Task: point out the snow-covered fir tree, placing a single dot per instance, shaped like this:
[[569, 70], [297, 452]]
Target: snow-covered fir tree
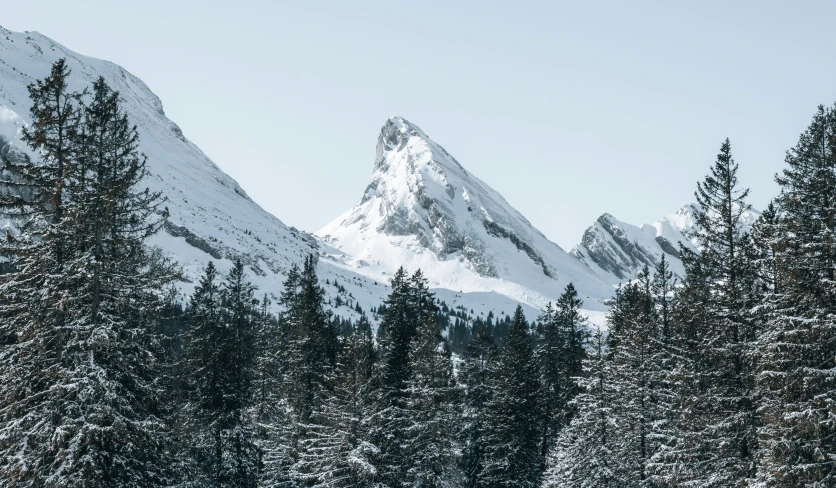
[[221, 338], [584, 455], [81, 397], [559, 353], [273, 428], [335, 452], [797, 378], [512, 417], [433, 401], [474, 376], [720, 420]]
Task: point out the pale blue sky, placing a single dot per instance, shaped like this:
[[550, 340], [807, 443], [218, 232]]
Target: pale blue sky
[[569, 109]]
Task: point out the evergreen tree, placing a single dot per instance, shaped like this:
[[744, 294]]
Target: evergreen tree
[[548, 353], [638, 372], [83, 299], [311, 336], [584, 455], [273, 428], [336, 453], [204, 363], [796, 380], [512, 419], [241, 466], [559, 352], [432, 400], [221, 338], [312, 343], [474, 375], [663, 286], [719, 420], [389, 419]]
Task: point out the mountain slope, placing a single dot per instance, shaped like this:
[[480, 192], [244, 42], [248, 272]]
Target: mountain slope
[[422, 209], [211, 215]]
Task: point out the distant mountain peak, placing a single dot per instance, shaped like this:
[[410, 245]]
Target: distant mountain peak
[[423, 209]]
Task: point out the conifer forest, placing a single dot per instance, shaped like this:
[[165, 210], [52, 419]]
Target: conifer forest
[[724, 377]]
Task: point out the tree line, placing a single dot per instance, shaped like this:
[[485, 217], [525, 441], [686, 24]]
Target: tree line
[[722, 377]]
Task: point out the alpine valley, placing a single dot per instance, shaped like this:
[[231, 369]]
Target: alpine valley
[[421, 209]]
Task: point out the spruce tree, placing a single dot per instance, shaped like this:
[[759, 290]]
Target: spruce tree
[[549, 354], [719, 422], [310, 364], [205, 334], [474, 376], [796, 380], [584, 454], [222, 336], [639, 373], [559, 352], [575, 334], [389, 419], [273, 427], [663, 286], [312, 342], [84, 300], [433, 397], [241, 465], [336, 452], [512, 418]]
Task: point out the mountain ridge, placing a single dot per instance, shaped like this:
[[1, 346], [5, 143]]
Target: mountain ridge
[[421, 209]]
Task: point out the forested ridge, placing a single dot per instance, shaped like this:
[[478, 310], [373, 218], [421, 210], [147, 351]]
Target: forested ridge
[[721, 378]]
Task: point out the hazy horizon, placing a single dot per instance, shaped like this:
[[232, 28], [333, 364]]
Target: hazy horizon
[[569, 111]]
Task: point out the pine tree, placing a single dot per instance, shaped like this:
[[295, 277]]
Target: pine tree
[[512, 434], [548, 353], [310, 364], [84, 301], [719, 422], [663, 286], [559, 352], [638, 372], [336, 452], [433, 396], [796, 379], [584, 454], [205, 335], [241, 465], [312, 342], [474, 375], [221, 337], [273, 427], [389, 418]]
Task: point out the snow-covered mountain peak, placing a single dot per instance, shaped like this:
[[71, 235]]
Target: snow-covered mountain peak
[[422, 209]]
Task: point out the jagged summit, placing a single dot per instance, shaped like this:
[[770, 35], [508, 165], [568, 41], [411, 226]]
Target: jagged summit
[[423, 209]]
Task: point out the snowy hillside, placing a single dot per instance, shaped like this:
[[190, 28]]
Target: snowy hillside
[[617, 251], [211, 215], [423, 209]]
